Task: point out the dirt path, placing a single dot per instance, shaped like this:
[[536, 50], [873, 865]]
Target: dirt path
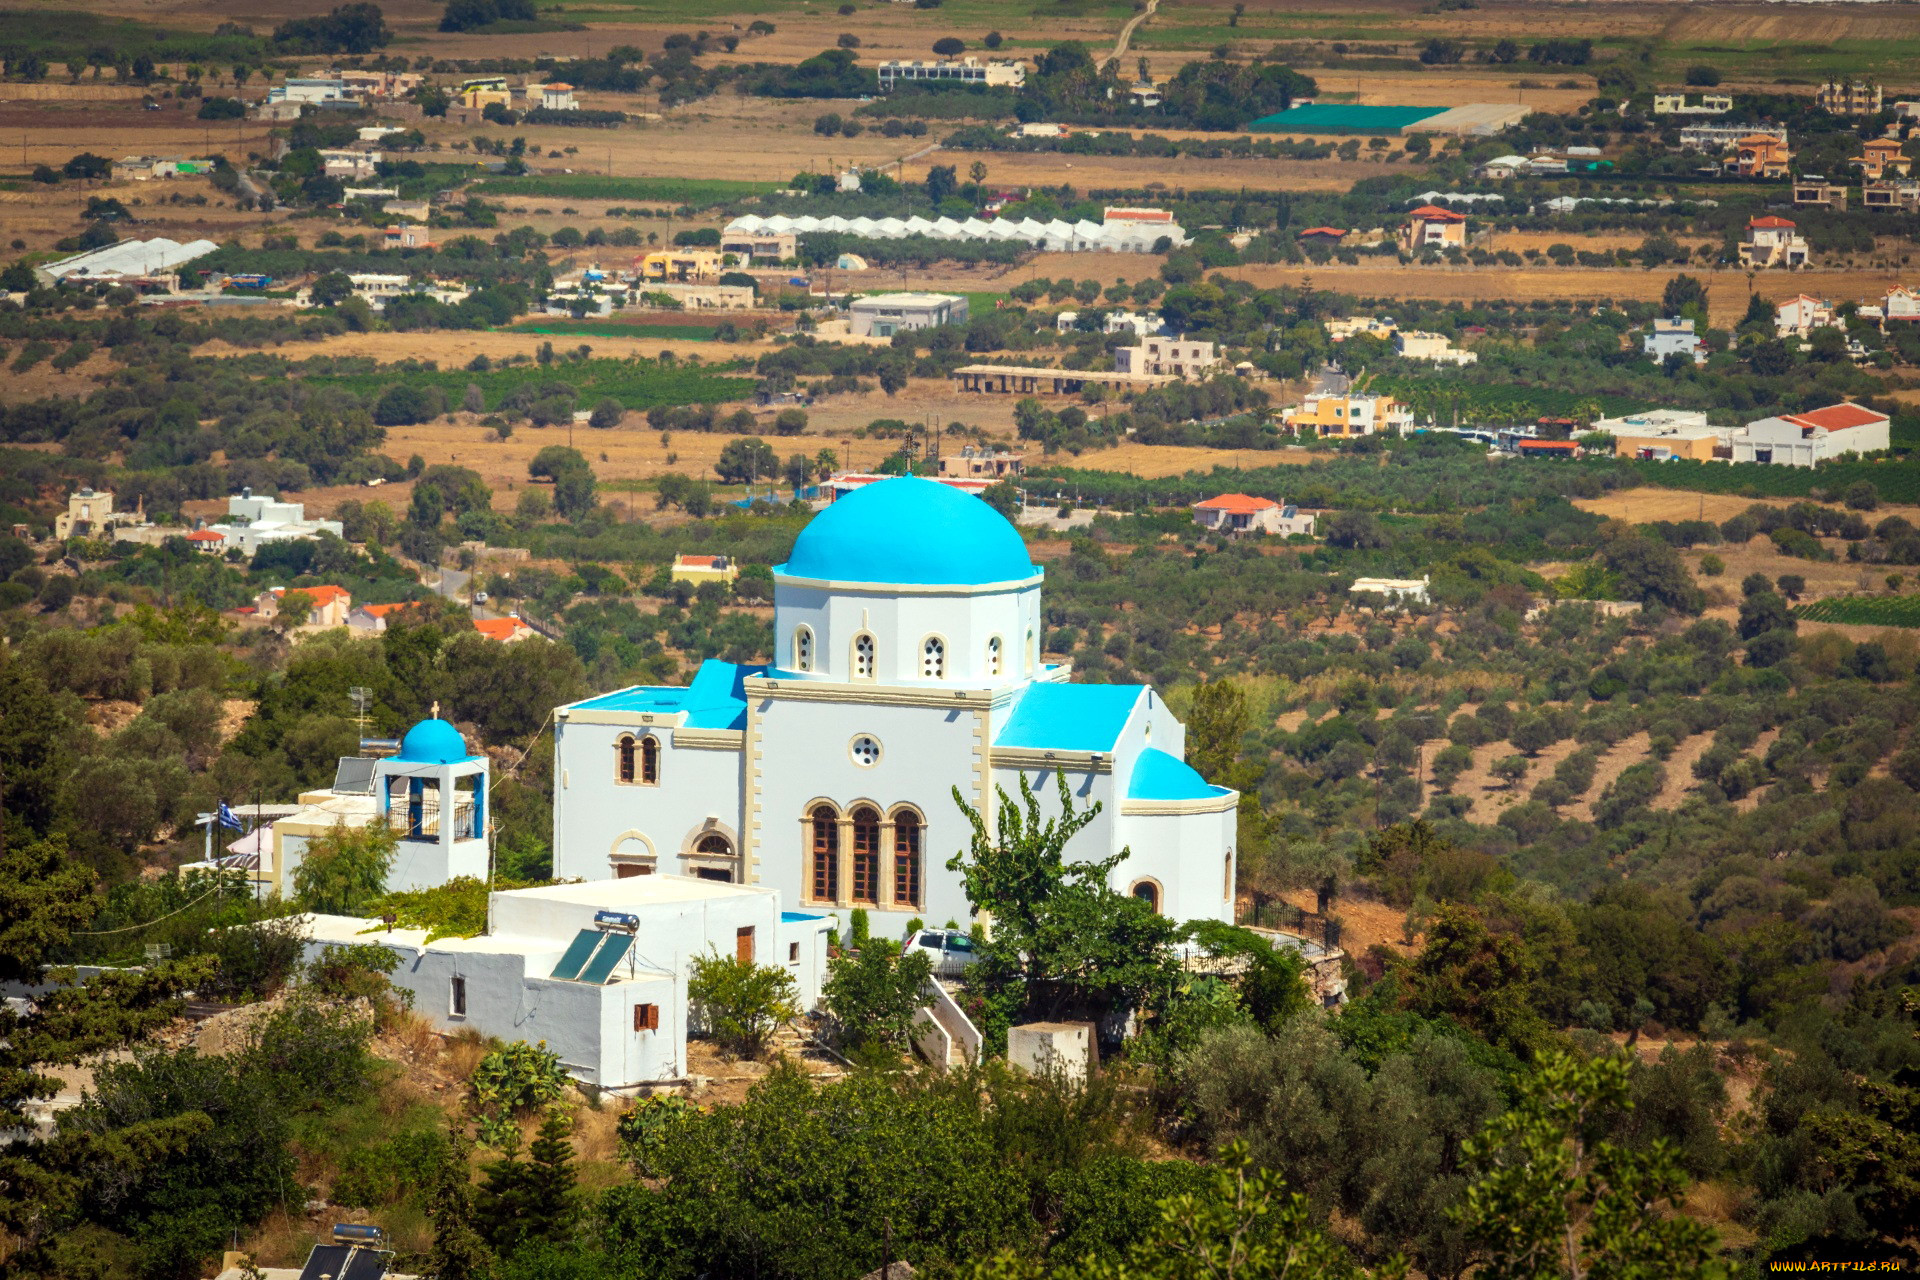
[[1751, 801], [1679, 766], [1614, 762], [1126, 34]]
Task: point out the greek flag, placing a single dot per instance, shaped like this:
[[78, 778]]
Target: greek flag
[[228, 818]]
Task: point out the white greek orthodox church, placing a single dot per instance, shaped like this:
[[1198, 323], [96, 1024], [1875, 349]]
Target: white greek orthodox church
[[907, 626]]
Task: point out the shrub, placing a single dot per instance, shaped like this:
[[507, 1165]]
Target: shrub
[[514, 1081], [739, 1003], [874, 992]]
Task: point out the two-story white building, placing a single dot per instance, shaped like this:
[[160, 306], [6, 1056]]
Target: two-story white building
[[1816, 436], [908, 627]]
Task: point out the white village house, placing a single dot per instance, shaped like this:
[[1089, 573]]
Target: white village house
[[752, 810]]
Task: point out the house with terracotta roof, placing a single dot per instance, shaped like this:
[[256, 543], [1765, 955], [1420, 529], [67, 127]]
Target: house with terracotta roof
[[557, 97], [1901, 303], [375, 618], [1773, 241], [506, 630], [1244, 513], [1759, 155], [699, 569], [1881, 158], [1432, 228], [1800, 315], [1815, 436], [1328, 236], [329, 604], [208, 542]]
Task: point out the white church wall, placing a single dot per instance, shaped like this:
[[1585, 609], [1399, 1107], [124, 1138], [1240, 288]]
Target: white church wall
[[804, 755], [1097, 839], [594, 814], [1186, 855]]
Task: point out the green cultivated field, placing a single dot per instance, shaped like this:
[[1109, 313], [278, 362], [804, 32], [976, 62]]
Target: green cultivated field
[[594, 186], [636, 385], [1864, 611]]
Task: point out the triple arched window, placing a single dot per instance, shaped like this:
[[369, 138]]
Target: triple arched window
[[882, 853], [803, 648], [636, 761]]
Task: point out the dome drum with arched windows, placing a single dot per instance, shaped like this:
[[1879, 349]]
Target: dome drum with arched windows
[[907, 582]]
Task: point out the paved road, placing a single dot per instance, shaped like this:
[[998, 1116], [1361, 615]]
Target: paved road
[[453, 585], [1126, 33]]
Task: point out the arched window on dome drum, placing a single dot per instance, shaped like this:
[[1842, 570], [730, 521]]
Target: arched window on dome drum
[[1148, 892], [803, 648], [906, 860], [625, 757], [866, 855], [825, 872], [993, 656], [863, 657], [933, 658], [649, 760]]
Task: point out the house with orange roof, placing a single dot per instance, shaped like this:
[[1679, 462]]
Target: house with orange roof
[[1432, 228], [208, 542], [1328, 236], [1815, 436], [1800, 315], [374, 618], [557, 97], [330, 604], [1244, 513], [1882, 158], [507, 630], [1759, 155], [1901, 303], [1773, 241], [699, 569]]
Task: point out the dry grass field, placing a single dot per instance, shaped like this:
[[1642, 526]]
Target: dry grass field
[[1647, 503], [1726, 290]]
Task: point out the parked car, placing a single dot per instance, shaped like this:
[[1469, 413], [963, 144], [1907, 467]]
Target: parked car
[[950, 950]]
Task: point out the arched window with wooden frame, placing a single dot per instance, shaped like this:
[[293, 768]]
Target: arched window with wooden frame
[[803, 648], [824, 875], [863, 659], [649, 761], [626, 760], [1148, 891], [866, 855], [907, 832]]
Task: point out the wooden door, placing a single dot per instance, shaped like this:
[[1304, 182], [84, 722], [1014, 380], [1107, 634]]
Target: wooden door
[[743, 945]]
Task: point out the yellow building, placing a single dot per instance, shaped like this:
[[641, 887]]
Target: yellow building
[[699, 569], [481, 94], [681, 265], [1349, 415]]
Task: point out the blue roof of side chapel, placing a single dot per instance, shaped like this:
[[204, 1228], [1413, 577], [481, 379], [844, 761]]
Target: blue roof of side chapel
[[715, 699], [1160, 776], [1070, 717], [910, 530]]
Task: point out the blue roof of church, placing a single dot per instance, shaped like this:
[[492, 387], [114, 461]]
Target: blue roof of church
[[433, 742], [1159, 776], [1070, 717], [911, 531], [715, 699]]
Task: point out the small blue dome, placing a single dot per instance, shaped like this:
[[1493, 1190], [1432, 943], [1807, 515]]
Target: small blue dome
[[910, 531], [433, 742], [1159, 776]]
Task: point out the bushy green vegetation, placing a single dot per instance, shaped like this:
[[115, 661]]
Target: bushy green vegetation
[[1865, 611], [587, 186]]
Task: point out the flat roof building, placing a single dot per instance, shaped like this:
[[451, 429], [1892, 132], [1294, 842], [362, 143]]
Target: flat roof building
[[884, 314]]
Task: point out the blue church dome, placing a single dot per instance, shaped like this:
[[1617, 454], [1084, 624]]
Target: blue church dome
[[433, 742], [910, 530], [1159, 776]]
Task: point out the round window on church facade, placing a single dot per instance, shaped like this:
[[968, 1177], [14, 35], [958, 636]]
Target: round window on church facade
[[865, 750]]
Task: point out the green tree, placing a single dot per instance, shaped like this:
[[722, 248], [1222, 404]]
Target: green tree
[[740, 1003], [45, 897], [874, 992], [746, 460], [1549, 1200], [1061, 935], [1217, 722], [607, 413], [344, 870], [536, 1198], [1481, 979], [459, 1251]]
